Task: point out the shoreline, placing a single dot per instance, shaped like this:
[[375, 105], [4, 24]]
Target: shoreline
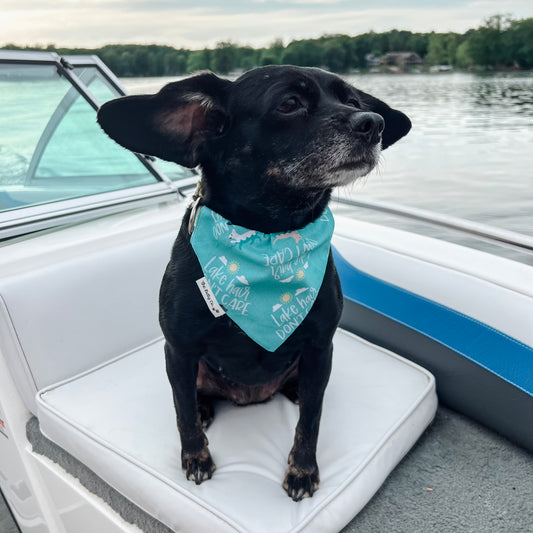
[[356, 72]]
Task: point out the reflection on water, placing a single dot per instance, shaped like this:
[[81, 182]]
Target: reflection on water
[[469, 153]]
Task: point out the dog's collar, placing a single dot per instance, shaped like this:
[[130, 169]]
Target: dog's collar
[[265, 282], [195, 208]]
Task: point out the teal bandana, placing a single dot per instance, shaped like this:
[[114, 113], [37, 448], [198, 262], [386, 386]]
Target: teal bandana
[[265, 282]]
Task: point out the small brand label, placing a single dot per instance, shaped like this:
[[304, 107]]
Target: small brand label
[[3, 429], [209, 297]]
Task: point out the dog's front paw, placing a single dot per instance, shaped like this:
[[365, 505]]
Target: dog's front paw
[[206, 413], [301, 482], [197, 466]]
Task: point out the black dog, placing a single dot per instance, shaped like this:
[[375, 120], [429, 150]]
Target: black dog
[[271, 146]]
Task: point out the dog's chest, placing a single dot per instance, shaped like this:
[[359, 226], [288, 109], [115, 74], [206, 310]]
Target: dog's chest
[[265, 283]]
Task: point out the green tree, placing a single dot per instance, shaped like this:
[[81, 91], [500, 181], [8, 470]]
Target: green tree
[[499, 42], [307, 53], [462, 55], [517, 41], [334, 56], [273, 54], [442, 48], [247, 57], [362, 46], [267, 58], [485, 44], [337, 52], [178, 63], [418, 43], [398, 41], [224, 58], [199, 60], [436, 54]]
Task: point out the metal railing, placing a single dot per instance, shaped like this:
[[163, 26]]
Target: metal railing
[[484, 231]]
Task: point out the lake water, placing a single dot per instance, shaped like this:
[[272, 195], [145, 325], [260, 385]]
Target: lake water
[[469, 153]]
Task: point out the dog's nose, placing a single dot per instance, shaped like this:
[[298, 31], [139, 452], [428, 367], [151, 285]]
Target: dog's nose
[[368, 125]]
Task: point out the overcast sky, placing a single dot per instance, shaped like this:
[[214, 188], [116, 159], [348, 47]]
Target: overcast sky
[[196, 24]]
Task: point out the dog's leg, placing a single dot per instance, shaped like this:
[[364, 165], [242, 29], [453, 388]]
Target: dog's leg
[[302, 479], [182, 370], [206, 409], [290, 390]]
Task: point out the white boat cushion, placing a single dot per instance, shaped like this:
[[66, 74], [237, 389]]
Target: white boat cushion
[[78, 311], [119, 420]]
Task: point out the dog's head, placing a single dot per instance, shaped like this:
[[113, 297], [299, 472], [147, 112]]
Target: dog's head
[[291, 127]]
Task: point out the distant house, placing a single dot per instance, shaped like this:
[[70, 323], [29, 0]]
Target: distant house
[[401, 59]]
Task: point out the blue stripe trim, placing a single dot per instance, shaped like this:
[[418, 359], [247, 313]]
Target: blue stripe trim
[[489, 348]]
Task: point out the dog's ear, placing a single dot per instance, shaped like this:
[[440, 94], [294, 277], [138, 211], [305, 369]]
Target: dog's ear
[[172, 124], [396, 123]]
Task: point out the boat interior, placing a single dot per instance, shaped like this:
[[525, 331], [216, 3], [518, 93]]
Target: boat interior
[[419, 323]]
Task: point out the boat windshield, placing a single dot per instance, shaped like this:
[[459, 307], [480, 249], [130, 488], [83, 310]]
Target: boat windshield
[[102, 92], [51, 147]]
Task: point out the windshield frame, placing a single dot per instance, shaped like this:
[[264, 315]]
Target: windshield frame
[[47, 215]]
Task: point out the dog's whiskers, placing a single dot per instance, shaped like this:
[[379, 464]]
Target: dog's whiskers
[[290, 170]]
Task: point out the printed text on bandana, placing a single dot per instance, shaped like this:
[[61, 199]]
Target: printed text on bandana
[[289, 316], [266, 283], [232, 291], [227, 289]]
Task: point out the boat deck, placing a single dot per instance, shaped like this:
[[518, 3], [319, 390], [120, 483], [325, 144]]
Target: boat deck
[[460, 477]]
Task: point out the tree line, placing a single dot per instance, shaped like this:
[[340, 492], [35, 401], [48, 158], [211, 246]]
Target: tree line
[[500, 42]]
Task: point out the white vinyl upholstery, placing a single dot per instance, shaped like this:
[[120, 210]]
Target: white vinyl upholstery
[[119, 420], [83, 306], [78, 323]]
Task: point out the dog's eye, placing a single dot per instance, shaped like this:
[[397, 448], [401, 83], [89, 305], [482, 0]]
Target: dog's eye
[[290, 105], [353, 102]]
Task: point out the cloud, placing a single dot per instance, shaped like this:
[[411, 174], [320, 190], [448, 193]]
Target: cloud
[[300, 2], [198, 24]]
